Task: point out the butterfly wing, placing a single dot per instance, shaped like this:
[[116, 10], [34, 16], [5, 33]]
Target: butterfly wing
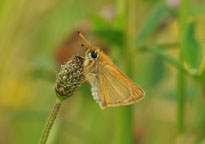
[[112, 88]]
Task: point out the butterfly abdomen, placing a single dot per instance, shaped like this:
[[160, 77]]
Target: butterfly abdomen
[[94, 90]]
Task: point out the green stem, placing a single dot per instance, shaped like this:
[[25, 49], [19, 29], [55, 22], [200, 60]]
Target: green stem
[[164, 46], [201, 112], [124, 123], [50, 121], [124, 126], [158, 50], [181, 77], [181, 101]]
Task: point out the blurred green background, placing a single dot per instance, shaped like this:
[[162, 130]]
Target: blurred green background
[[159, 44]]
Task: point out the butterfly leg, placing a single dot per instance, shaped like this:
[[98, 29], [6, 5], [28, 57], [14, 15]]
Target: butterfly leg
[[87, 79], [87, 68]]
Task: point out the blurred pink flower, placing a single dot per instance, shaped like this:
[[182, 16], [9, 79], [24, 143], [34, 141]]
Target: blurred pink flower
[[173, 3]]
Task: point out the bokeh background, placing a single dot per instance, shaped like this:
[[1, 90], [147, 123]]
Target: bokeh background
[[160, 44]]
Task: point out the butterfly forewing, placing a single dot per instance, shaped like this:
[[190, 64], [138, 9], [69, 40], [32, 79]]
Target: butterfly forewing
[[114, 88]]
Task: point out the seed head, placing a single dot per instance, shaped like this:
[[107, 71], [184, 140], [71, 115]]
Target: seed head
[[70, 77]]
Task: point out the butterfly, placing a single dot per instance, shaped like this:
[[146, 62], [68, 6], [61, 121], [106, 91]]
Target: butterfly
[[109, 86]]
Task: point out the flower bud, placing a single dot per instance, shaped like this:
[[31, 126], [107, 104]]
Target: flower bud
[[70, 77]]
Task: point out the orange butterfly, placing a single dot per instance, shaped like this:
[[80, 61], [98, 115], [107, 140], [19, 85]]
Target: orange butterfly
[[109, 86]]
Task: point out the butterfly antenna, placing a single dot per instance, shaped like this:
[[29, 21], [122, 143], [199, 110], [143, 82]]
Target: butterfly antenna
[[81, 35]]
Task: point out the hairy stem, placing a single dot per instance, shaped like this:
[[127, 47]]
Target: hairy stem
[[50, 121]]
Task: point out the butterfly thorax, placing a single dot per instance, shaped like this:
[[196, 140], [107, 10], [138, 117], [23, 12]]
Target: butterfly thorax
[[95, 60]]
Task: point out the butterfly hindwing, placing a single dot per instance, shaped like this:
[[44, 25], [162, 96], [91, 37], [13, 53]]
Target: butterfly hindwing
[[113, 88]]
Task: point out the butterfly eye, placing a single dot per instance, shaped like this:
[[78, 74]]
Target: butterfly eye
[[94, 54]]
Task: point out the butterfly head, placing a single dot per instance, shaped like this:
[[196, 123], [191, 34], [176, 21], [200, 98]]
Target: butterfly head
[[92, 52]]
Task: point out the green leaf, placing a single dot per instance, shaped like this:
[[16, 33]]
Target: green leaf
[[111, 36], [157, 67], [99, 22], [192, 50], [166, 57], [154, 19], [106, 31]]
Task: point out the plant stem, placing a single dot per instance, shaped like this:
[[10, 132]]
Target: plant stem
[[201, 112], [181, 77], [181, 101], [124, 126], [50, 121], [124, 123], [160, 53], [158, 50], [180, 84]]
